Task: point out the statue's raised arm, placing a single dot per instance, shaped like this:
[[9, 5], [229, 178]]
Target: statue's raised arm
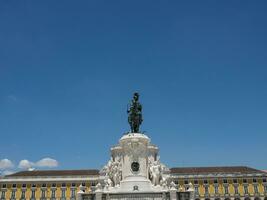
[[135, 114]]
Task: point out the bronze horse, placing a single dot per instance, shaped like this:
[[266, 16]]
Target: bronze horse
[[135, 114]]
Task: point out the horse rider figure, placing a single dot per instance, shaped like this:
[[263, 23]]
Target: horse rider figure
[[135, 114]]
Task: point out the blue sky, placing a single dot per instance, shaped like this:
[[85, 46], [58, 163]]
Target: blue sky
[[68, 70]]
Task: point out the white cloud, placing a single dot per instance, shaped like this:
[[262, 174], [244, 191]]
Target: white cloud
[[45, 162], [25, 164], [6, 164]]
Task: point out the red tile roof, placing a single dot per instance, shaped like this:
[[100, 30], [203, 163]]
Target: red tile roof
[[89, 172], [177, 170], [209, 170]]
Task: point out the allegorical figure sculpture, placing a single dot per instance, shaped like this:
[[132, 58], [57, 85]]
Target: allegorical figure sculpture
[[135, 114], [113, 173]]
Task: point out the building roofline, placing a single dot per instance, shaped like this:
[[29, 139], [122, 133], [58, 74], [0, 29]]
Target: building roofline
[[55, 173], [215, 170]]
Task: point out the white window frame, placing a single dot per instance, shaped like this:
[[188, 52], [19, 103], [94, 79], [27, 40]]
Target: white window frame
[[63, 193], [23, 194], [13, 194], [206, 189], [245, 189], [216, 189], [256, 189], [33, 194], [73, 192], [53, 193], [3, 194], [196, 189], [226, 189], [236, 189], [43, 193]]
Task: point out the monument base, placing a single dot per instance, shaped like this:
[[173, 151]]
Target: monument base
[[136, 184]]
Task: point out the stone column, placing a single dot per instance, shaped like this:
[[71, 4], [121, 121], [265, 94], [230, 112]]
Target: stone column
[[80, 192], [98, 192], [191, 189], [98, 195], [173, 194]]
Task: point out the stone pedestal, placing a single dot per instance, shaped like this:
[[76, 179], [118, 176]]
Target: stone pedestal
[[173, 194], [135, 172], [98, 195], [134, 166], [135, 175], [79, 195]]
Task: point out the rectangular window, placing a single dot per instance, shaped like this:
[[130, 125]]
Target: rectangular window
[[73, 192], [23, 194], [13, 194], [63, 193], [33, 194], [216, 188], [236, 189], [246, 189], [206, 190], [245, 181], [23, 185], [195, 182], [226, 190], [264, 180], [215, 181], [4, 186], [3, 195], [225, 181], [73, 185], [256, 189], [205, 181], [186, 182], [43, 194], [235, 180], [196, 190], [95, 183], [14, 185], [53, 194], [254, 180]]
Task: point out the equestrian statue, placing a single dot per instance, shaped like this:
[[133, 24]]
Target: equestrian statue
[[135, 114]]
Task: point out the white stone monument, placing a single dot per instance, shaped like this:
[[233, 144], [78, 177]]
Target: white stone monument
[[134, 166], [134, 170]]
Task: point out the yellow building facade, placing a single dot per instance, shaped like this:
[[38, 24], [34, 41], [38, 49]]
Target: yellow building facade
[[223, 183], [210, 183]]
